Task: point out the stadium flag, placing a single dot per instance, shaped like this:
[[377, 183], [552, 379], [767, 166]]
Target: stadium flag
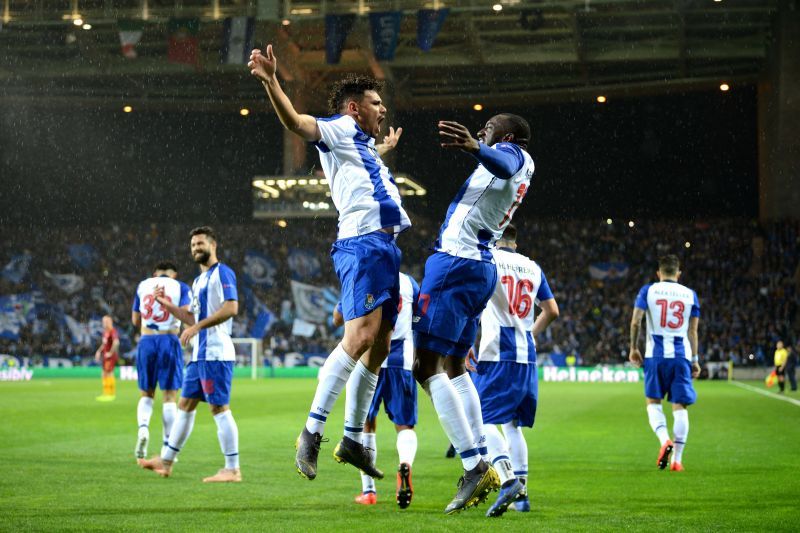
[[68, 283], [130, 33], [303, 263], [261, 324], [301, 328], [16, 269], [80, 332], [82, 255], [385, 31], [429, 23], [309, 301], [337, 27], [16, 311], [608, 271], [183, 42], [259, 269], [258, 314], [237, 40]]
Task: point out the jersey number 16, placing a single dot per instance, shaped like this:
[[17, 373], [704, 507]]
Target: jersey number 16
[[520, 302]]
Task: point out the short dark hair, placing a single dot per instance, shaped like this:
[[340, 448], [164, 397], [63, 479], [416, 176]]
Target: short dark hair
[[519, 127], [510, 233], [204, 230], [166, 265], [669, 264], [351, 87]]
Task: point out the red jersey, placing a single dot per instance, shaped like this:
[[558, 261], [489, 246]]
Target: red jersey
[[109, 336]]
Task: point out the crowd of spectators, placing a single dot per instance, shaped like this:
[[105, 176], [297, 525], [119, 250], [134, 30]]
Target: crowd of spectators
[[745, 274]]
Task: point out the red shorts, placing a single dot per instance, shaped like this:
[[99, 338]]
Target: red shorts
[[109, 363]]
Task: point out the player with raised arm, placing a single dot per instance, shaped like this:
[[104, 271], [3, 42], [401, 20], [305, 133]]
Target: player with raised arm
[[397, 390], [108, 355], [670, 360], [159, 358], [365, 256], [459, 280], [506, 374], [209, 375]]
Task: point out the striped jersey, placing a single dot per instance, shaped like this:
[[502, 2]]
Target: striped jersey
[[362, 188], [154, 316], [668, 306], [209, 291], [483, 207], [401, 354], [507, 321]]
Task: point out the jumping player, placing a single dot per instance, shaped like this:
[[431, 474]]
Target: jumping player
[[108, 355]]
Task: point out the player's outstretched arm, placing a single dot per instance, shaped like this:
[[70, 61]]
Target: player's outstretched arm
[[546, 317], [390, 141], [635, 356], [264, 67]]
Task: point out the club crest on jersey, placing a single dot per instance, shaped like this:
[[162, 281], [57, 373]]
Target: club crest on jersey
[[369, 302]]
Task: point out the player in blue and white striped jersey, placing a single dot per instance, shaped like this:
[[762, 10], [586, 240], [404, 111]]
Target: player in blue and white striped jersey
[[671, 357], [459, 279], [506, 375], [209, 375], [365, 256]]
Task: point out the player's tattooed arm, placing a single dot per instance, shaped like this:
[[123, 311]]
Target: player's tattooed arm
[[264, 67], [390, 141], [635, 356]]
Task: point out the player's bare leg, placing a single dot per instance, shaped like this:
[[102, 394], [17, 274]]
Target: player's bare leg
[[228, 433]]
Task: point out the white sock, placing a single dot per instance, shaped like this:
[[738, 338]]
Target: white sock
[[472, 408], [658, 421], [680, 428], [518, 450], [452, 418], [179, 434], [144, 410], [228, 434], [337, 370], [368, 440], [360, 390], [407, 446], [168, 412], [499, 454]]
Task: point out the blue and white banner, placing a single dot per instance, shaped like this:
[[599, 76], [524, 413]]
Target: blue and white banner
[[385, 31], [301, 328], [83, 255], [16, 311], [608, 271], [237, 40], [429, 23], [84, 333], [16, 269], [303, 263], [259, 269], [309, 302], [337, 27], [68, 283], [259, 316]]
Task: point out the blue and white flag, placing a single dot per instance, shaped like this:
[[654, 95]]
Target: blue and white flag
[[79, 332], [68, 283], [83, 255], [303, 263], [237, 40], [608, 271], [258, 314], [337, 27], [16, 269], [309, 302], [385, 31], [259, 269], [16, 311], [429, 23]]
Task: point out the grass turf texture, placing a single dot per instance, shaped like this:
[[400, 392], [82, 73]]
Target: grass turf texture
[[68, 465]]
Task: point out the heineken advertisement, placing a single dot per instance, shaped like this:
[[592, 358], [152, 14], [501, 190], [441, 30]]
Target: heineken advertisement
[[128, 373]]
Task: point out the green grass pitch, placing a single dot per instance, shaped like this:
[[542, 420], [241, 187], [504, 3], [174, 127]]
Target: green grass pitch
[[67, 464]]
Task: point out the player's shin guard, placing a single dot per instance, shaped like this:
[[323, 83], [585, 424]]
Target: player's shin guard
[[655, 414], [168, 412], [407, 446], [333, 378], [680, 429], [360, 390], [452, 417], [472, 408], [181, 430], [498, 451], [144, 410], [228, 434]]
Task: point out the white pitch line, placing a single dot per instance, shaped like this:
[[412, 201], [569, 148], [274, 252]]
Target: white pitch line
[[766, 393]]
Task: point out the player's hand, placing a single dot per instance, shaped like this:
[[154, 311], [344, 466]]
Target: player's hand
[[391, 140], [695, 370], [158, 292], [471, 361], [97, 356], [635, 358], [188, 333], [454, 135], [263, 66]]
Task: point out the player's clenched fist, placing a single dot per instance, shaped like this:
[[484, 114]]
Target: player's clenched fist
[[263, 66], [636, 358]]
